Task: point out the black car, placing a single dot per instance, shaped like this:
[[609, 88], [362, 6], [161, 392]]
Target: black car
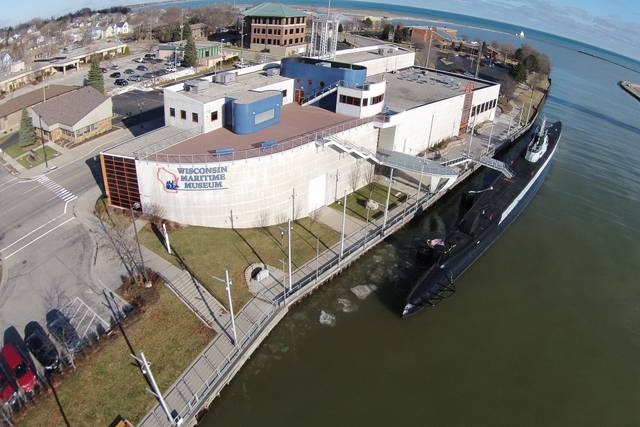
[[129, 71], [120, 82], [41, 346], [115, 75], [142, 68], [61, 329], [148, 75]]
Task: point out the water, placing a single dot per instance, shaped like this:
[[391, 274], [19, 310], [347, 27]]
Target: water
[[543, 330]]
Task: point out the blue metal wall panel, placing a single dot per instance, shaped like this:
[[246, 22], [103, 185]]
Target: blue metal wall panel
[[243, 114]]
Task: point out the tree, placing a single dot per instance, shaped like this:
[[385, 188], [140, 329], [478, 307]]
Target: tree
[[367, 23], [27, 132], [340, 28], [520, 73], [186, 31], [531, 63], [387, 30], [519, 54], [190, 58], [94, 78]]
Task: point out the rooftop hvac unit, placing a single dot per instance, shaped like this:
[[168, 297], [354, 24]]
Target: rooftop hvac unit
[[273, 71], [195, 85], [225, 78]]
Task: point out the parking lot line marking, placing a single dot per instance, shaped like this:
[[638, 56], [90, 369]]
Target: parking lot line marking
[[38, 238]]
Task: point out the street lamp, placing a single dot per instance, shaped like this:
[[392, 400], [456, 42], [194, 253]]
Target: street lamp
[[136, 205]]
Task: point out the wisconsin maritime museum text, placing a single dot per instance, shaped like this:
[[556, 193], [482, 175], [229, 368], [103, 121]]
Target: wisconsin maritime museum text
[[205, 178]]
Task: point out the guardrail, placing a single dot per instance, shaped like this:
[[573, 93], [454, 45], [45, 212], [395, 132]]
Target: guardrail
[[280, 146]]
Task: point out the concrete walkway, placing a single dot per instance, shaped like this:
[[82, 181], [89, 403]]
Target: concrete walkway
[[333, 218]]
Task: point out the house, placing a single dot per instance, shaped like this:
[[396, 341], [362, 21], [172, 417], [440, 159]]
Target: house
[[5, 61], [276, 28], [96, 33], [11, 110], [109, 31], [73, 117], [122, 28], [199, 31]]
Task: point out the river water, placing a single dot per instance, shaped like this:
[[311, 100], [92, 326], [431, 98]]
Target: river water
[[543, 330]]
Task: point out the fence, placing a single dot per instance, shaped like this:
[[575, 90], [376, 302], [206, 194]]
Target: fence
[[283, 145]]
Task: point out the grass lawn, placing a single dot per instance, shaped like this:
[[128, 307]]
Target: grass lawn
[[538, 93], [208, 251], [109, 383], [29, 162], [357, 201], [14, 151]]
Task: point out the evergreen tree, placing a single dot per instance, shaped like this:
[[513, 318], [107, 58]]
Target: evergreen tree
[[186, 32], [190, 58], [531, 63], [94, 78], [27, 132], [520, 73]]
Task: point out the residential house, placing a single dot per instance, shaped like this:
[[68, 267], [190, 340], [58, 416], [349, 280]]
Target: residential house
[[122, 28], [73, 117], [11, 110]]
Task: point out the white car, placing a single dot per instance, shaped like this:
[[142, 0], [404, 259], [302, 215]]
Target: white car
[[171, 69], [139, 60]]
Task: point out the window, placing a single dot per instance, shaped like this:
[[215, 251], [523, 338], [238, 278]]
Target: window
[[284, 93], [269, 31], [473, 111], [365, 102], [194, 117], [350, 100], [262, 41], [214, 116], [183, 115], [263, 31], [172, 112], [377, 99], [264, 116]]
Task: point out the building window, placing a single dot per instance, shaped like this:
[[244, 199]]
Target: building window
[[377, 99], [269, 31], [172, 112], [350, 100], [261, 41], [473, 111], [365, 102], [194, 117], [284, 93], [214, 116], [183, 115]]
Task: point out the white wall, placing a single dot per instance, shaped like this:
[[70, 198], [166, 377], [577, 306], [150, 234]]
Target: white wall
[[372, 89], [179, 102], [387, 64], [481, 96], [283, 85], [414, 131], [101, 112], [262, 186]]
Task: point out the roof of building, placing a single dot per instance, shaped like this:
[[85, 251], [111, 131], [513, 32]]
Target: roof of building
[[276, 10], [413, 87], [198, 25], [375, 52], [69, 108], [295, 121], [32, 98], [238, 88], [151, 142]]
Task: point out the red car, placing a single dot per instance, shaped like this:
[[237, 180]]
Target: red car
[[7, 391], [19, 368]]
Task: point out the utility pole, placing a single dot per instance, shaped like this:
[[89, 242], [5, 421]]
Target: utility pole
[[386, 206], [284, 284], [429, 48], [166, 238], [289, 253], [344, 218], [478, 64], [145, 367], [241, 40], [227, 285]]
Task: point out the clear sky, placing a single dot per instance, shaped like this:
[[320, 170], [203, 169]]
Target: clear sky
[[612, 24]]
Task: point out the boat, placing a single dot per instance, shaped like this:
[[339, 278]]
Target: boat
[[489, 213]]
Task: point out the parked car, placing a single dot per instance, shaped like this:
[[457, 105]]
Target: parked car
[[142, 68], [19, 368], [161, 72], [61, 329], [171, 69], [135, 78], [148, 75], [120, 82], [139, 60], [114, 66], [103, 70], [115, 75], [41, 347], [129, 71], [149, 55], [8, 393]]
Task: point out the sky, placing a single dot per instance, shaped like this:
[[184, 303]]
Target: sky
[[611, 24]]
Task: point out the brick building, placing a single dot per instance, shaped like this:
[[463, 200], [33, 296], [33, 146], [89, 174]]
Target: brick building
[[276, 27]]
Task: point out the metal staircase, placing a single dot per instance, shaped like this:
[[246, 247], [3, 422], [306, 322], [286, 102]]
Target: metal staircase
[[483, 160], [320, 93]]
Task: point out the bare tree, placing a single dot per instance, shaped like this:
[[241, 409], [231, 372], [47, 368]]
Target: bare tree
[[354, 176], [118, 243], [155, 213], [370, 178]]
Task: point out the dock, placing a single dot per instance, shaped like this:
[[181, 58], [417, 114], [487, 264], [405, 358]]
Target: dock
[[632, 88]]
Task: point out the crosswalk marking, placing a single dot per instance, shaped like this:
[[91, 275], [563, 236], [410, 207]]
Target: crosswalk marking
[[60, 192]]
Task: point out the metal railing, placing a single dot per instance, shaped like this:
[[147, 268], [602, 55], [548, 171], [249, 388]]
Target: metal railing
[[281, 146]]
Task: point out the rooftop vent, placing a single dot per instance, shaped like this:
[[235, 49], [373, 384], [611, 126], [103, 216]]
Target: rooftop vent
[[195, 85], [225, 78]]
